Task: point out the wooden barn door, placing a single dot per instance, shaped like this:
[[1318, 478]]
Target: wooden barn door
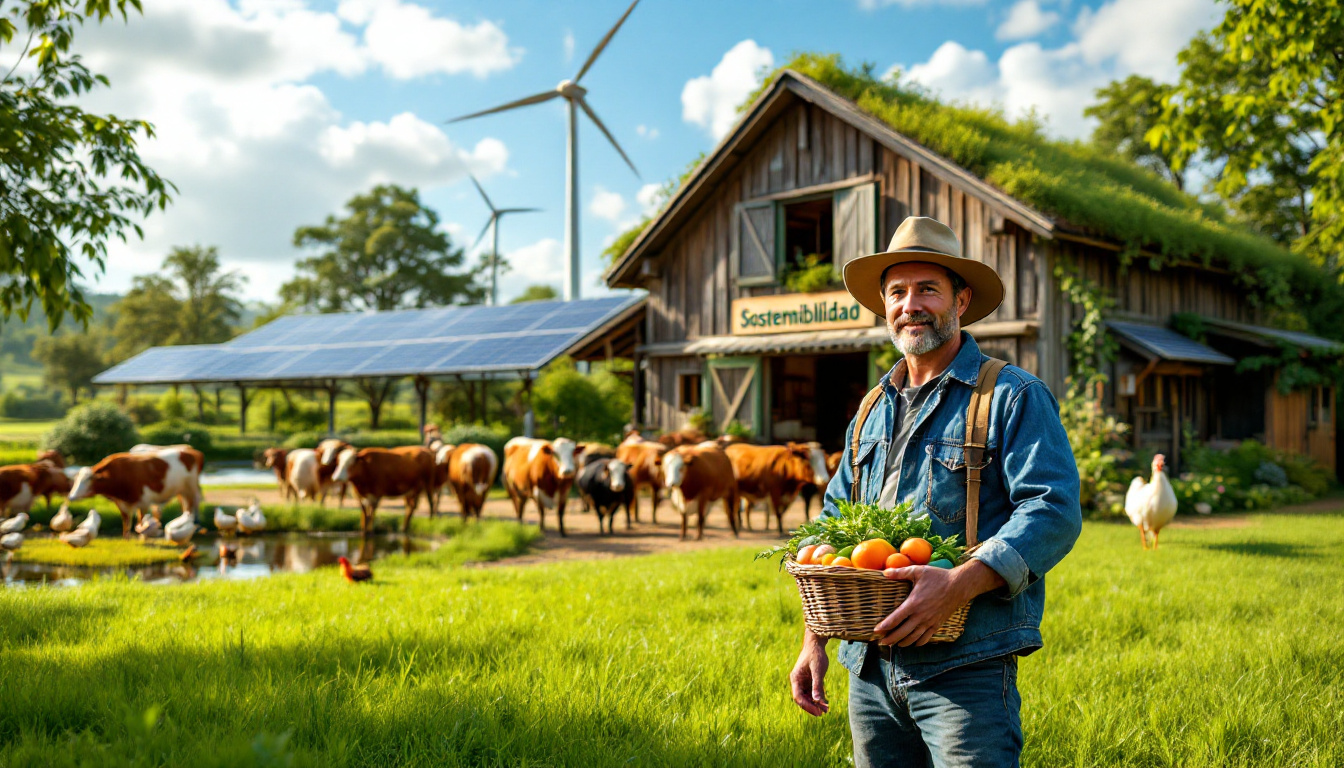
[[734, 385], [753, 259], [855, 218]]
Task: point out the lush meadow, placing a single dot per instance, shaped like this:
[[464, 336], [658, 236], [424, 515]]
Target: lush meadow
[[1218, 650]]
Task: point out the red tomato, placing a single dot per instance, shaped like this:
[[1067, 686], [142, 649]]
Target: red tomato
[[918, 550]]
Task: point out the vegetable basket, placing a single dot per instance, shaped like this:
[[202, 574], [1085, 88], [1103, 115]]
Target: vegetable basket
[[846, 603]]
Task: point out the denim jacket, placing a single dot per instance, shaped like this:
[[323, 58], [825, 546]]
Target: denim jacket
[[1029, 503]]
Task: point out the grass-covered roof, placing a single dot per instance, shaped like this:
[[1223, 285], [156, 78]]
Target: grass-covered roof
[[1083, 188]]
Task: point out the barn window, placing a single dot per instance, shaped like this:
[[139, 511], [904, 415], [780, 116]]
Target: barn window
[[688, 392], [754, 244], [809, 233]]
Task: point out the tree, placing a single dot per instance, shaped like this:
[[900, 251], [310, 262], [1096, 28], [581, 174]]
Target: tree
[[536, 293], [1261, 97], [1126, 111], [70, 180], [191, 300], [388, 253], [583, 407], [71, 360]]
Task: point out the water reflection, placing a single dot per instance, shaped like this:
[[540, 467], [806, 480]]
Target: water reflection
[[242, 558]]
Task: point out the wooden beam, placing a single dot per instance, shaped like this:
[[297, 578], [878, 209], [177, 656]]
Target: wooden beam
[[815, 189]]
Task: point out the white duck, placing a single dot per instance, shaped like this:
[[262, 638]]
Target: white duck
[[1151, 505], [149, 527], [225, 523], [63, 521], [85, 532], [11, 541], [14, 524], [251, 520], [180, 529]]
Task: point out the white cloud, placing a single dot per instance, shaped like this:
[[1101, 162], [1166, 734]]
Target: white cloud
[[607, 205], [407, 40], [1120, 38], [254, 149], [650, 198], [540, 263], [711, 101], [569, 45], [1026, 20], [646, 132]]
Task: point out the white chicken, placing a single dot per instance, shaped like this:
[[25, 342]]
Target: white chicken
[[225, 523], [1151, 505], [251, 520], [85, 532], [14, 524], [149, 527], [11, 541], [181, 529], [62, 521]]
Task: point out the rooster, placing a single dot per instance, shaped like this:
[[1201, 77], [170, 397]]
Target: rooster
[[1151, 505], [355, 573]]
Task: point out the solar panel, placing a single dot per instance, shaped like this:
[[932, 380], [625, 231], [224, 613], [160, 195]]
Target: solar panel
[[1168, 344], [437, 341]]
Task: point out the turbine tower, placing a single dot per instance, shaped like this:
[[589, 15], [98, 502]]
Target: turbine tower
[[492, 226], [573, 93]]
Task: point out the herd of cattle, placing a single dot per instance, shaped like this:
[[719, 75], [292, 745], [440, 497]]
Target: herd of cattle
[[694, 472]]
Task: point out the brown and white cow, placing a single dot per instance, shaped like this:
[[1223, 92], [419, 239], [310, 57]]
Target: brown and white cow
[[641, 458], [328, 453], [21, 484], [700, 474], [682, 437], [775, 474], [141, 481], [274, 459], [542, 471], [377, 473], [303, 475], [471, 472], [812, 490]]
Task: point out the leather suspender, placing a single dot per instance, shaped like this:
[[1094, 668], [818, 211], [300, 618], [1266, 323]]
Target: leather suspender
[[973, 447]]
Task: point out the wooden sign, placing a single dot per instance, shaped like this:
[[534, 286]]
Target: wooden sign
[[792, 312]]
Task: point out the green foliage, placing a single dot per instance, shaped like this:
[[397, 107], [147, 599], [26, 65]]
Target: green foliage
[[71, 360], [179, 432], [1090, 347], [16, 405], [1297, 368], [171, 406], [1098, 442], [73, 179], [1244, 466], [102, 552], [737, 429], [583, 407], [859, 522], [143, 410], [702, 420], [90, 432], [190, 300], [387, 253], [536, 293], [1126, 111], [813, 275]]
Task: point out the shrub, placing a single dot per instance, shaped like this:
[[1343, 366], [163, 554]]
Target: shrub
[[812, 276], [1097, 440], [90, 432], [176, 432], [303, 440], [15, 405], [171, 407], [737, 429], [143, 411], [582, 407], [702, 421]]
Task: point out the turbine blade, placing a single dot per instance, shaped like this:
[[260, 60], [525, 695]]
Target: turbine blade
[[593, 116], [480, 189], [484, 229], [535, 98], [603, 44], [503, 211]]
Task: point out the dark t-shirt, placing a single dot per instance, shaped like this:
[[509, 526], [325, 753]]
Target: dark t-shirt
[[909, 402]]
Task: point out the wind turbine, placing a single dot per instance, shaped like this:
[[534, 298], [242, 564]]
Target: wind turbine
[[492, 226], [572, 92]]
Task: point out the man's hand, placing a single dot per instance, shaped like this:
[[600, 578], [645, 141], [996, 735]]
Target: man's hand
[[809, 676], [936, 594]]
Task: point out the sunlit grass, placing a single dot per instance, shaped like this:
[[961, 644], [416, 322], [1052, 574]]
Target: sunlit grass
[[102, 552]]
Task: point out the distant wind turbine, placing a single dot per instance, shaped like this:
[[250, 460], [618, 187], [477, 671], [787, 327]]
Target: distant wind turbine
[[572, 92], [492, 226]]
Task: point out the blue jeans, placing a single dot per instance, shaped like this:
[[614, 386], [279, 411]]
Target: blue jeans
[[966, 716]]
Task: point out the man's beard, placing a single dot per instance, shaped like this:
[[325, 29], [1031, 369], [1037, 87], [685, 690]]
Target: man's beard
[[937, 332]]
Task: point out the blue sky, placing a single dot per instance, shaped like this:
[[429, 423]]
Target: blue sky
[[271, 113]]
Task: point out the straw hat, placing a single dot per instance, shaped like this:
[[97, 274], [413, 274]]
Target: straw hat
[[923, 239]]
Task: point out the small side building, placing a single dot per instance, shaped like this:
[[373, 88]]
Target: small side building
[[807, 177]]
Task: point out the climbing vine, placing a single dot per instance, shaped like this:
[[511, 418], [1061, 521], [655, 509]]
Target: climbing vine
[[1090, 347]]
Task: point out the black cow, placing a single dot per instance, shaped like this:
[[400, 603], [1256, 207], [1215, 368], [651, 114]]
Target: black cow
[[604, 485]]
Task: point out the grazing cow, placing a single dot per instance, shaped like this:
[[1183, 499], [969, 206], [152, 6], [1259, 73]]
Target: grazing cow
[[139, 481], [702, 474], [328, 451], [811, 490], [21, 484], [54, 458], [641, 457], [52, 482], [471, 472], [443, 454], [275, 459], [431, 436], [540, 470], [302, 474], [604, 484], [682, 437], [377, 473], [590, 452], [776, 474]]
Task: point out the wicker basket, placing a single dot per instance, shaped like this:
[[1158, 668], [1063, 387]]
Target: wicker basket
[[846, 603]]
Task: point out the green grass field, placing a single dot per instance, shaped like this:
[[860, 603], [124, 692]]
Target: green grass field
[[1222, 649]]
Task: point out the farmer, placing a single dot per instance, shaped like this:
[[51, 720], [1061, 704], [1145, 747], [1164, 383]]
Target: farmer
[[912, 702]]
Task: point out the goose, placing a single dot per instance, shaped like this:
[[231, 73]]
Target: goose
[[11, 541], [225, 523], [251, 520], [181, 529], [63, 521], [14, 524], [149, 527]]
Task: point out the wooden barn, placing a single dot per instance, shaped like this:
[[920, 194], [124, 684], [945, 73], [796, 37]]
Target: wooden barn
[[807, 177]]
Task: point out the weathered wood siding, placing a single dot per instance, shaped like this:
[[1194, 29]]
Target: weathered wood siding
[[1288, 425]]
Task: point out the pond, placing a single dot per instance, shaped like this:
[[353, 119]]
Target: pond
[[257, 557]]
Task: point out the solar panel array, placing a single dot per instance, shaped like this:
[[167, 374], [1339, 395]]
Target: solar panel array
[[473, 340], [1168, 344]]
